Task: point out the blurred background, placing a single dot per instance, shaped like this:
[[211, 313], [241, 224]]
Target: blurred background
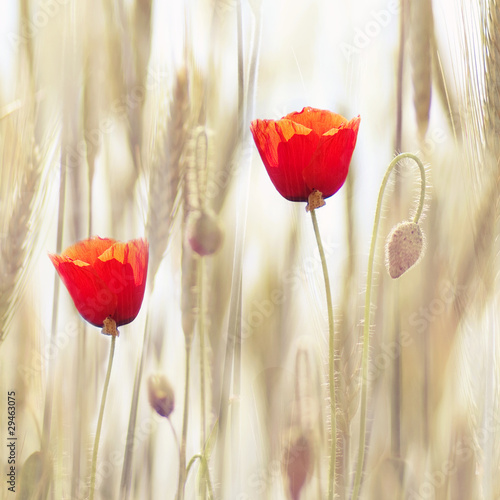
[[131, 118]]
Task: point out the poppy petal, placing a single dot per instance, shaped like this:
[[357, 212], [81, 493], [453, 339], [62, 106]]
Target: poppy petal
[[92, 298], [105, 278], [329, 165], [123, 268], [285, 148], [88, 250], [319, 120]]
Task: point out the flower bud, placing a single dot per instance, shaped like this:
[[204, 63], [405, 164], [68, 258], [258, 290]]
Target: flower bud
[[297, 464], [405, 246], [161, 395], [204, 232]]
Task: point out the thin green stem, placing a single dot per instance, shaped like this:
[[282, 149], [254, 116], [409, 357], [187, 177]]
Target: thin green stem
[[126, 478], [366, 325], [206, 475], [205, 471], [201, 331], [331, 361], [99, 421], [182, 454], [198, 456]]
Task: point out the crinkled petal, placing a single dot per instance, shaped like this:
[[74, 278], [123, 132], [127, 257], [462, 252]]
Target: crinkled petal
[[319, 120], [88, 250], [285, 148], [92, 298], [329, 165], [123, 267]]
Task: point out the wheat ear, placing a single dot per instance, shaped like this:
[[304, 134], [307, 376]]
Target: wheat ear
[[166, 170]]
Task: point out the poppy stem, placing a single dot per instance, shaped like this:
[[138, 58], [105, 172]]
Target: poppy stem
[[331, 360], [182, 454], [99, 421], [201, 331], [366, 325]]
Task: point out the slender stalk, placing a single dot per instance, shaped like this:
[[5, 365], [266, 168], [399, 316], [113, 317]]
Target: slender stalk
[[198, 456], [206, 473], [176, 439], [201, 331], [126, 479], [366, 325], [182, 454], [235, 406], [99, 421], [331, 360], [232, 364], [397, 370]]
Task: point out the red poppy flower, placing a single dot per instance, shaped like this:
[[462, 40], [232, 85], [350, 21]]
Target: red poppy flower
[[105, 278], [306, 151]]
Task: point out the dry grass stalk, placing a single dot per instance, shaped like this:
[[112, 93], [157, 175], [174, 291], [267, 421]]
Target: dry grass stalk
[[142, 34], [92, 103], [166, 170], [22, 171], [349, 356], [492, 61], [421, 32], [444, 92], [189, 295]]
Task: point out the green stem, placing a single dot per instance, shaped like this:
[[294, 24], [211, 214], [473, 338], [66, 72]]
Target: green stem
[[331, 361], [126, 479], [182, 455], [366, 325], [198, 456], [205, 472], [99, 421], [201, 330]]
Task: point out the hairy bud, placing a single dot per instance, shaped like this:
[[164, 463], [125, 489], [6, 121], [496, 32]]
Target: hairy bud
[[404, 248]]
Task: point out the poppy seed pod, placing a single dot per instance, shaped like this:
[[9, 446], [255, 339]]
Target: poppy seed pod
[[204, 233], [404, 248], [161, 395]]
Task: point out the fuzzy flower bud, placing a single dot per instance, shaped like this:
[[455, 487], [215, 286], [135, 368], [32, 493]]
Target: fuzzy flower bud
[[161, 395], [204, 232], [404, 248]]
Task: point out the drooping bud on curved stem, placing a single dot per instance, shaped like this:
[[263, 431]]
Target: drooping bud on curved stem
[[366, 326], [404, 248]]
